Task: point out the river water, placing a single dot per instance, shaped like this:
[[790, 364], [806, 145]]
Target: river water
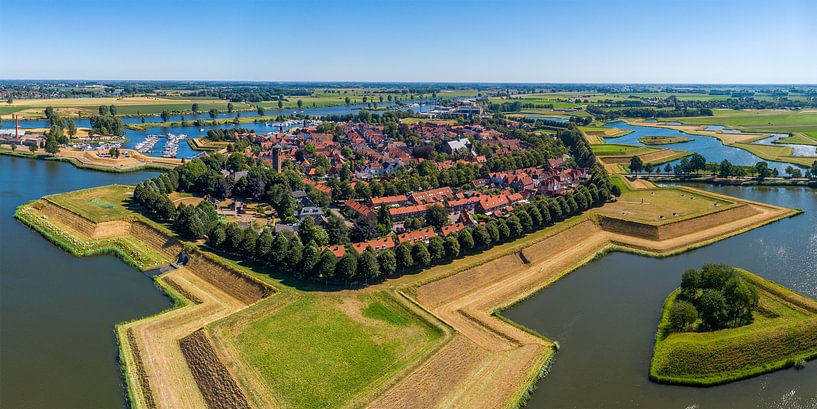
[[604, 316], [711, 148], [57, 311], [185, 151]]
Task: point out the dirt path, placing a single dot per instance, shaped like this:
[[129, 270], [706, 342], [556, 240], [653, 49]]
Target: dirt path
[[170, 380]]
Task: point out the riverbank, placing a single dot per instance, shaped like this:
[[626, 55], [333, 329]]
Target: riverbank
[[730, 181], [135, 162], [784, 331], [739, 140]]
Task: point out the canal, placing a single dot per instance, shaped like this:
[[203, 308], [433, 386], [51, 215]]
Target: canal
[[604, 316], [57, 311]]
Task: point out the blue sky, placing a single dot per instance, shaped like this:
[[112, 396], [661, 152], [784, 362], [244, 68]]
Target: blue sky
[[670, 41]]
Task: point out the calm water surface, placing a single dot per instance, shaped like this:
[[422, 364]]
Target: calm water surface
[[711, 148], [604, 316], [57, 311]]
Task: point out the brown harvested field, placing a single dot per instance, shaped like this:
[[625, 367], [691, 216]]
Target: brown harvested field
[[171, 382], [215, 382]]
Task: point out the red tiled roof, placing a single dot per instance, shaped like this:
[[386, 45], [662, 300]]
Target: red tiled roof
[[377, 201], [378, 244], [432, 195], [452, 228], [417, 235], [396, 211], [359, 208]]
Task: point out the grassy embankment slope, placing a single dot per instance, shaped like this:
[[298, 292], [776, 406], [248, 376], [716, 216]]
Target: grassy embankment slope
[[663, 140], [784, 331], [34, 108]]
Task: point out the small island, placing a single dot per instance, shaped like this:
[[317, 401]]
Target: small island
[[663, 140], [725, 324]]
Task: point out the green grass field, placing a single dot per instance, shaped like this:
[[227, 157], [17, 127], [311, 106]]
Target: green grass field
[[648, 205], [794, 122], [320, 352], [784, 330], [611, 149], [663, 140], [99, 204]]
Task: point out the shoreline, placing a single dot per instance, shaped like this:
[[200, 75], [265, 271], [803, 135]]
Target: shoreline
[[741, 140], [78, 163]]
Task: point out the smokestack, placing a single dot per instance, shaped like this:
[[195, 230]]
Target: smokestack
[[16, 127]]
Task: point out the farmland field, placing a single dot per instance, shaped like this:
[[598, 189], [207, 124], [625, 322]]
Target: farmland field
[[793, 122], [33, 108], [326, 351]]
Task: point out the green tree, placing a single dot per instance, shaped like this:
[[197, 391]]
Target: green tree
[[311, 254], [466, 239], [72, 128], [213, 113], [452, 246], [725, 169], [636, 165], [387, 262], [337, 230], [436, 248], [52, 146], [311, 232], [260, 110], [420, 254], [263, 245], [681, 315], [368, 265], [325, 268], [712, 309], [404, 256], [300, 104], [166, 115], [436, 216], [216, 236], [690, 283], [194, 108], [280, 104], [279, 249], [346, 267]]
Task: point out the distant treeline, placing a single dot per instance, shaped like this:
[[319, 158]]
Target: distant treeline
[[517, 106], [647, 112]]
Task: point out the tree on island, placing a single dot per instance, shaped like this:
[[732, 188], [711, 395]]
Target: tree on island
[[194, 108], [166, 115], [230, 107], [636, 165], [716, 293], [213, 113], [260, 110]]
